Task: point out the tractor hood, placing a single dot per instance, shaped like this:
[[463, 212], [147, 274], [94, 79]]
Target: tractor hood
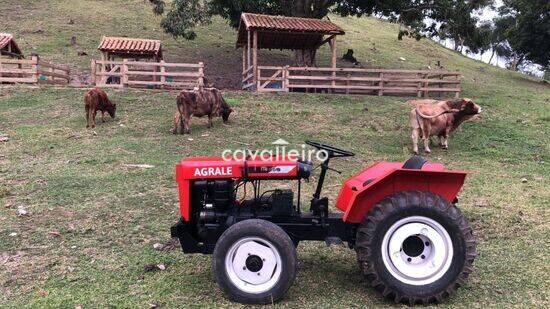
[[275, 167]]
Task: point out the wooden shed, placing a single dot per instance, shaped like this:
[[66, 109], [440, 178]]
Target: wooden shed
[[131, 62], [257, 31], [8, 47], [130, 48]]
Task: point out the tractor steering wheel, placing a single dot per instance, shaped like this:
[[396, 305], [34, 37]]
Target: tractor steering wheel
[[331, 150]]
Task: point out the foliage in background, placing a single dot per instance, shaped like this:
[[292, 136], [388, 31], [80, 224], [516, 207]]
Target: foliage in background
[[521, 32], [526, 27], [447, 18]]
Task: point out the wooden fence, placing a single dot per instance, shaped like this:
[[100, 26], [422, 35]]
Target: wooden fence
[[141, 74], [353, 80], [32, 71]]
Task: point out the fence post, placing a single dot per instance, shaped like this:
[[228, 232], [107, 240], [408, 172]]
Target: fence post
[[426, 85], [162, 76], [256, 80], [440, 85], [68, 73], [52, 70], [93, 65], [381, 85], [201, 75], [419, 85], [285, 78], [34, 68], [124, 74], [0, 70], [348, 76]]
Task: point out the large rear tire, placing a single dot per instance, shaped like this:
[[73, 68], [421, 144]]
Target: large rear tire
[[254, 262], [415, 247]]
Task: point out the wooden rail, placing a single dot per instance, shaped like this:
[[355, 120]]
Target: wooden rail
[[32, 71], [354, 80], [142, 74]]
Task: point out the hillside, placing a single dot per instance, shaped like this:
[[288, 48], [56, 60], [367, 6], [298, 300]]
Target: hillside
[[92, 221], [46, 28]]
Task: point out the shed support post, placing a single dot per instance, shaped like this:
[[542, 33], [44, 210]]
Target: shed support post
[[332, 43], [244, 60], [248, 49], [255, 59]]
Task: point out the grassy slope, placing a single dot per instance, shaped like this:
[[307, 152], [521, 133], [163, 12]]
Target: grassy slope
[[108, 216]]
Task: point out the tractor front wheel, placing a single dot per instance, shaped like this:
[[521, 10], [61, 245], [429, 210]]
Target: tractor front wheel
[[415, 247], [254, 262]]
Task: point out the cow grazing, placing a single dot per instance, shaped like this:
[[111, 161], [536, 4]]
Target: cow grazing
[[439, 118], [97, 100], [199, 102]]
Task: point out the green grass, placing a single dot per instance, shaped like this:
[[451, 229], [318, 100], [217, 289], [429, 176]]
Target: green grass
[[75, 184]]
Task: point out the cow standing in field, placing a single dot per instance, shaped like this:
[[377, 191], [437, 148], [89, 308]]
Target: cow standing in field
[[97, 100], [199, 102], [439, 118]]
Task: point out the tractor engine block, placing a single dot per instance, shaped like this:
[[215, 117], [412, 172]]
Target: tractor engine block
[[212, 198]]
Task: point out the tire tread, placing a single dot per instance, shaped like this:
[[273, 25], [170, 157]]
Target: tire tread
[[392, 204]]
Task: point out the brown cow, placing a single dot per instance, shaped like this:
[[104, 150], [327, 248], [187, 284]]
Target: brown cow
[[439, 118], [199, 102], [96, 100]]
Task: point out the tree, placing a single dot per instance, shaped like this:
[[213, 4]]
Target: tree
[[526, 26], [455, 16]]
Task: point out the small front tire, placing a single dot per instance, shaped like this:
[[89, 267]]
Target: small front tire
[[254, 262]]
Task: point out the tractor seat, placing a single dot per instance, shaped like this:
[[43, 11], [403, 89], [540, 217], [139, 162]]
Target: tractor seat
[[415, 163]]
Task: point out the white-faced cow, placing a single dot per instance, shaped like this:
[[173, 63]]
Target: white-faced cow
[[439, 118]]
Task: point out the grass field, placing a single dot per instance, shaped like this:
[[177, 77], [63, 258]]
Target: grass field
[[92, 221]]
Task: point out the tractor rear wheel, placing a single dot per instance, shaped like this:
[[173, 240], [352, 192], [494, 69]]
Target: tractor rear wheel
[[415, 247], [255, 262]]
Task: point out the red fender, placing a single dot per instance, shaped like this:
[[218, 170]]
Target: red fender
[[363, 190]]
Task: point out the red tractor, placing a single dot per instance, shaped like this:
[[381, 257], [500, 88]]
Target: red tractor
[[413, 244]]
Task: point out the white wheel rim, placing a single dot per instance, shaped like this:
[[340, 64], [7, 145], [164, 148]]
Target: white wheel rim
[[244, 269], [417, 250]]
